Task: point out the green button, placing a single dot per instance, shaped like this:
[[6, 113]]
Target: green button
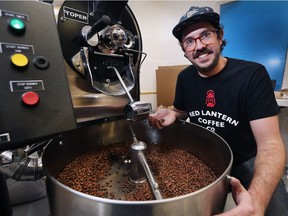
[[17, 24]]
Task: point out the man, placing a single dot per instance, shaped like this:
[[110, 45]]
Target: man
[[234, 99]]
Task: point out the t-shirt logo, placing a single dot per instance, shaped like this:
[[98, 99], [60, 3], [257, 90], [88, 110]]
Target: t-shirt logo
[[210, 98]]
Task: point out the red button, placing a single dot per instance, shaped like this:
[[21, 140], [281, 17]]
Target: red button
[[30, 98]]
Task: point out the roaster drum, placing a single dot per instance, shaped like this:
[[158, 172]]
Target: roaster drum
[[206, 145]]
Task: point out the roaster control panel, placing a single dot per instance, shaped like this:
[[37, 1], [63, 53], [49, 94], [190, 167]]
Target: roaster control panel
[[34, 90]]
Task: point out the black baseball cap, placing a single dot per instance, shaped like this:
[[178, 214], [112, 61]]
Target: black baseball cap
[[193, 15]]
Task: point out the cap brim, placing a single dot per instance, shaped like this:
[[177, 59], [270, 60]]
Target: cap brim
[[211, 17]]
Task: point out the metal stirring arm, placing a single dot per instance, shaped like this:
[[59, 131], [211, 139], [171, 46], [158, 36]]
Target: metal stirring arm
[[140, 168], [152, 183], [122, 83], [134, 111]]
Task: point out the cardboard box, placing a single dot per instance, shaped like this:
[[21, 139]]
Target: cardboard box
[[166, 77]]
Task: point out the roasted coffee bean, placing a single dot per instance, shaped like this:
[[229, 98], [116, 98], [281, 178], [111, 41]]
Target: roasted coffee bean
[[177, 172]]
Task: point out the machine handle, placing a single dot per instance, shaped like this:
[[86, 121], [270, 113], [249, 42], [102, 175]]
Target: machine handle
[[98, 26]]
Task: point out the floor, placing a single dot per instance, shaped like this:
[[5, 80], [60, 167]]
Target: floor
[[37, 208], [229, 203]]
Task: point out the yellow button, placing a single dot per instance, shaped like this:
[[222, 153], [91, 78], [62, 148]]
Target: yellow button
[[19, 60]]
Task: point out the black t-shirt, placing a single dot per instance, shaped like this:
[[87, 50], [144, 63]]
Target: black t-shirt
[[226, 102]]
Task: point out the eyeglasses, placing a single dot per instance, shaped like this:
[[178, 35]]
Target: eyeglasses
[[205, 38]]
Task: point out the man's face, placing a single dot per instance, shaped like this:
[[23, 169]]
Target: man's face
[[202, 46]]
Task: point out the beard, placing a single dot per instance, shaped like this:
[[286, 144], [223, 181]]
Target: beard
[[204, 69]]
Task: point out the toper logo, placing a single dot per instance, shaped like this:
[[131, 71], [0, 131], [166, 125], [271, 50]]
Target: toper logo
[[76, 15]]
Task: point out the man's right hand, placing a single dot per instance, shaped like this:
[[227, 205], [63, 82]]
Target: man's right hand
[[243, 200], [162, 118]]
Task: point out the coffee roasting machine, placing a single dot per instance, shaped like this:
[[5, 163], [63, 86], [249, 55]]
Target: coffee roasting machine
[[69, 81]]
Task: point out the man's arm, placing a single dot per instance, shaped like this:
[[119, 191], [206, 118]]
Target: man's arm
[[268, 170], [269, 163]]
